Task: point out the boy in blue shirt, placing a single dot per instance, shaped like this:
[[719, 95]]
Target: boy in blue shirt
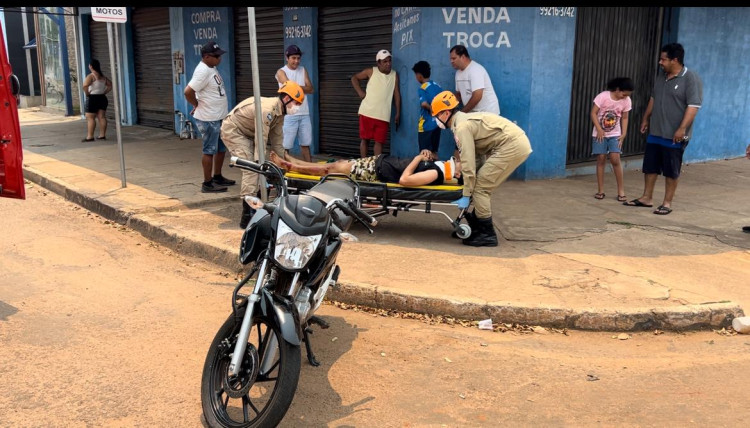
[[428, 131]]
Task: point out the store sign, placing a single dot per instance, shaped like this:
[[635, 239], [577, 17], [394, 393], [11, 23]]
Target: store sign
[[109, 14]]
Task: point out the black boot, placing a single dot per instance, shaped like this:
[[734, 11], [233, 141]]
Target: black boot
[[484, 234], [247, 214], [471, 220]]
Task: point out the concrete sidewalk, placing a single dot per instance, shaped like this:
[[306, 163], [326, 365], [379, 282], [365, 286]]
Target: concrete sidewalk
[[565, 259]]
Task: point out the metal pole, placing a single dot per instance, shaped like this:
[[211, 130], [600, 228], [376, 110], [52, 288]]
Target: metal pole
[[115, 94], [120, 102], [39, 61], [28, 53], [81, 68], [260, 142]]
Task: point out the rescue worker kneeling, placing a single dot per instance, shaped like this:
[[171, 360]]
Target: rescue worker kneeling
[[505, 145]]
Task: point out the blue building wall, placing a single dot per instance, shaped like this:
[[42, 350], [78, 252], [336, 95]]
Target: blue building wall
[[717, 47], [179, 80], [300, 24], [551, 78], [529, 59], [129, 114], [191, 28]]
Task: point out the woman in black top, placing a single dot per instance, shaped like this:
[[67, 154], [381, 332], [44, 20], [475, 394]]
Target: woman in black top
[[419, 171]]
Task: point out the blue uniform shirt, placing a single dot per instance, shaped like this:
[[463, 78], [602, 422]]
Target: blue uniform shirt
[[427, 92]]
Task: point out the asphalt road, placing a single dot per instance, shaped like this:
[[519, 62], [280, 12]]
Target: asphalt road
[[100, 327]]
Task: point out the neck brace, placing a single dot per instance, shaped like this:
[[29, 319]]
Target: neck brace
[[448, 169]]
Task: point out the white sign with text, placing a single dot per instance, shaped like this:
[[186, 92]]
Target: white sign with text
[[109, 14]]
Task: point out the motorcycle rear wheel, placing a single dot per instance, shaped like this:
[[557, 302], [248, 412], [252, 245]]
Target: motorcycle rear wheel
[[270, 395]]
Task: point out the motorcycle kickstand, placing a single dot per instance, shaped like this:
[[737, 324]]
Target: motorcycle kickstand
[[319, 321], [310, 356]]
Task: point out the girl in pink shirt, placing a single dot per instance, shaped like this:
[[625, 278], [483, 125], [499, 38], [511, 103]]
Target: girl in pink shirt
[[610, 117]]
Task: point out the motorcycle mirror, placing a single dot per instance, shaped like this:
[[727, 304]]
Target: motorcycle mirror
[[255, 203], [348, 237]]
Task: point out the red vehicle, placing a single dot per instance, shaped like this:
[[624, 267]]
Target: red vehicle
[[11, 150]]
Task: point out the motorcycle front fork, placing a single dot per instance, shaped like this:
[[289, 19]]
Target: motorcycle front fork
[[252, 299], [269, 355]]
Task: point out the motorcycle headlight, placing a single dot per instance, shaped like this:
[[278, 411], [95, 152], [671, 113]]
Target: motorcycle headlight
[[293, 251]]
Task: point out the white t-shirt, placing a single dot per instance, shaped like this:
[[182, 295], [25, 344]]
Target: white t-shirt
[[474, 77], [209, 90], [298, 76]]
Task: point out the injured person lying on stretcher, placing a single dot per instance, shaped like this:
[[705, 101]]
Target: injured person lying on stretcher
[[419, 171], [389, 184]]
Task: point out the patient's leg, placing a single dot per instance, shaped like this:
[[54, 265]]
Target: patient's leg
[[292, 164]]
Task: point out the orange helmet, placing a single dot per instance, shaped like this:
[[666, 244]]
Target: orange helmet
[[443, 101], [293, 89]]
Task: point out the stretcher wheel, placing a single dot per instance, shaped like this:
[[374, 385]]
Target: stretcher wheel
[[463, 231]]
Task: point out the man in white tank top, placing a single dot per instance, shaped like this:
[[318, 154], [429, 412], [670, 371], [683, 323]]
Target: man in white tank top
[[375, 109], [298, 125]]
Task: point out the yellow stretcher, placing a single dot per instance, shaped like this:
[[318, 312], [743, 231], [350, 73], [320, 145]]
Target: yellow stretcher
[[379, 198]]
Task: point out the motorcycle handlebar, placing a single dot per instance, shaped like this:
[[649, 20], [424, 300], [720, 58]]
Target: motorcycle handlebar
[[367, 217], [245, 164], [257, 203], [357, 214]]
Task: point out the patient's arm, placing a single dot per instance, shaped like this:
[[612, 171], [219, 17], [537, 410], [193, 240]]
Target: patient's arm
[[409, 178]]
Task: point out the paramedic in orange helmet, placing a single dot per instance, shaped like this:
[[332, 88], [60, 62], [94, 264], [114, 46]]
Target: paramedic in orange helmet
[[505, 146], [238, 134]]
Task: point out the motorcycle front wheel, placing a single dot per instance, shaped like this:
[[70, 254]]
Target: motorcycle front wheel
[[254, 398]]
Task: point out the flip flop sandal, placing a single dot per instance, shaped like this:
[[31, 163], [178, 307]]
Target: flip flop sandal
[[622, 198], [637, 203], [85, 140], [599, 196], [662, 210]]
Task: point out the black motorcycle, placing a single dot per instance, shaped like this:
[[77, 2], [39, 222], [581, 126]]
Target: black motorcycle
[[253, 365]]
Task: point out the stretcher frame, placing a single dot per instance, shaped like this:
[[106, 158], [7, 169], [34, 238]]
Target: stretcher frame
[[378, 198]]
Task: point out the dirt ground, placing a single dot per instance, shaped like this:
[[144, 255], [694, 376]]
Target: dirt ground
[[100, 327]]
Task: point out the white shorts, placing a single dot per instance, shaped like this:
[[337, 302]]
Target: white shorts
[[297, 126]]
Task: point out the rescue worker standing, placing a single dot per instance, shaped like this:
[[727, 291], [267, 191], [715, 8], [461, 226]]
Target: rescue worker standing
[[505, 145], [238, 134]]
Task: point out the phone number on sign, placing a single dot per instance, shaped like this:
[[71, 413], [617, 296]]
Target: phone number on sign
[[569, 12], [298, 32]]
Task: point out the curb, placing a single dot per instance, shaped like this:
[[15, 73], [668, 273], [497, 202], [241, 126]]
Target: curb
[[673, 318]]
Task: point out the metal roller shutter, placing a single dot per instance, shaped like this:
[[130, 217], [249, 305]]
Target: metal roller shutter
[[153, 65], [348, 39], [612, 42], [269, 33], [99, 42]]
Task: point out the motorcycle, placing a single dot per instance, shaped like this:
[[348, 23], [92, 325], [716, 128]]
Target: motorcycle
[[253, 365]]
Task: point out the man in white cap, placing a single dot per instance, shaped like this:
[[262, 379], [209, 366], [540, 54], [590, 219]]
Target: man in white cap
[[206, 93], [375, 109]]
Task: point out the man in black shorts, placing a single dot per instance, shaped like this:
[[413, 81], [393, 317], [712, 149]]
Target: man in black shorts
[[675, 100]]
